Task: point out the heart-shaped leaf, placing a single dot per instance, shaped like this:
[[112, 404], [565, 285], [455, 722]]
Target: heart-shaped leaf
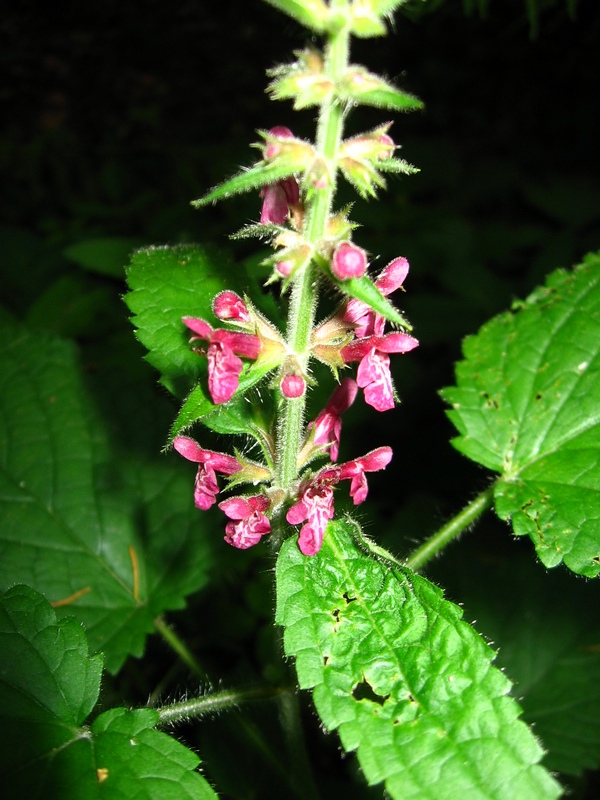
[[527, 406]]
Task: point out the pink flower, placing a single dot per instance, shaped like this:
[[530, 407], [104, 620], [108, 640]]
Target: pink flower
[[373, 374], [315, 506], [273, 148], [277, 199], [327, 427], [368, 322], [229, 306], [224, 366], [249, 523], [348, 261], [206, 487], [354, 471], [293, 386], [315, 499]]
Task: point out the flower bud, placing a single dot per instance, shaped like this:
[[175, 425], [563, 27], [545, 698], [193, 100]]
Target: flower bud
[[373, 146], [348, 261], [282, 144], [230, 307], [293, 386]]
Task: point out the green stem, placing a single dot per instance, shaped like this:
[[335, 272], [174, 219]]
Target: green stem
[[451, 530], [303, 300], [180, 648], [213, 703]]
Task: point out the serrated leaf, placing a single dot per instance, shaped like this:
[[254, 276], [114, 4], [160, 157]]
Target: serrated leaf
[[168, 283], [312, 14], [261, 174], [547, 629], [365, 290], [526, 405], [110, 538], [49, 684], [403, 679], [234, 417], [138, 761]]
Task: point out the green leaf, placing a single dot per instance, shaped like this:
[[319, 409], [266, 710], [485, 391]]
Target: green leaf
[[109, 536], [403, 679], [168, 283], [106, 256], [238, 416], [261, 174], [143, 762], [49, 684], [526, 406], [547, 629], [365, 290], [312, 14]]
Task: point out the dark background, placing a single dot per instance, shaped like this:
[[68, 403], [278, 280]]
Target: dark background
[[117, 114]]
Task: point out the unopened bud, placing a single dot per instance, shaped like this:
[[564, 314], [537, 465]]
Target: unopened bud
[[348, 261], [293, 386], [318, 175], [229, 306], [281, 143], [373, 146]]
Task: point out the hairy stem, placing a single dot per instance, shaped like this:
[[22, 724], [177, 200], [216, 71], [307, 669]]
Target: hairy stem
[[303, 298], [214, 702], [451, 530]]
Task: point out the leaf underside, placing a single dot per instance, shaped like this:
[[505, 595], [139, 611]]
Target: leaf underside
[[527, 406], [403, 679]]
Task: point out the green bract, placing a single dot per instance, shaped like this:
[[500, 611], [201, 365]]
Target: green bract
[[527, 406], [403, 679]]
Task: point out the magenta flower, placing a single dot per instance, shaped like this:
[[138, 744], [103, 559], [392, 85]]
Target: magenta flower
[[273, 148], [368, 322], [206, 487], [315, 504], [348, 261], [373, 374], [230, 307], [292, 386], [354, 471], [249, 523], [327, 427], [278, 198], [315, 507], [224, 366]]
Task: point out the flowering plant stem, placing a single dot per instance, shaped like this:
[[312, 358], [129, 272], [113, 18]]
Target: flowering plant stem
[[215, 702], [303, 297], [451, 530]]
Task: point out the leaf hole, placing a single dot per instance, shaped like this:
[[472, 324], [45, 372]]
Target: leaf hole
[[538, 396], [347, 598], [336, 614], [364, 691]]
